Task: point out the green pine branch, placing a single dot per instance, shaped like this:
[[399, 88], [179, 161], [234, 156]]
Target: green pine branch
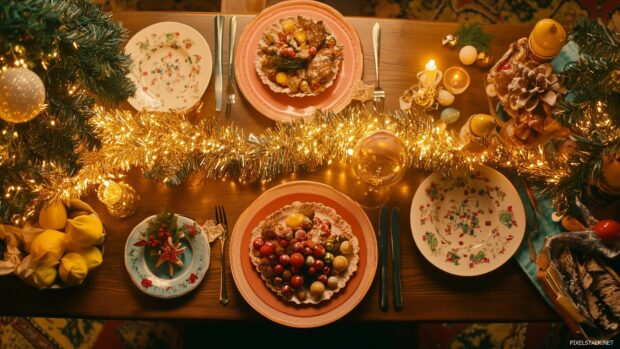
[[77, 51]]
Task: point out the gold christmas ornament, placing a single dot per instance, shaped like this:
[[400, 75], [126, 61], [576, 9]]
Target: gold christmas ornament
[[22, 95], [484, 60], [450, 41]]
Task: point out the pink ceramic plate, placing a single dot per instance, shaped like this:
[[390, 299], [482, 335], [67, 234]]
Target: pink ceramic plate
[[265, 301], [278, 106]]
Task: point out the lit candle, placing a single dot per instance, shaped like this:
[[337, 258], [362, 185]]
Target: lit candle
[[456, 80], [110, 193], [430, 73]]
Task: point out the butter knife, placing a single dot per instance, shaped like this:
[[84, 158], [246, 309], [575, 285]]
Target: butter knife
[[395, 235], [219, 33], [383, 231], [230, 89]]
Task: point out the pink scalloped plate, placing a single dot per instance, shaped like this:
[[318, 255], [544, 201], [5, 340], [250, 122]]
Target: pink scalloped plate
[[278, 106], [263, 299]]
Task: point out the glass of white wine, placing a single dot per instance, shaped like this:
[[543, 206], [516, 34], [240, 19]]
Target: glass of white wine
[[379, 160]]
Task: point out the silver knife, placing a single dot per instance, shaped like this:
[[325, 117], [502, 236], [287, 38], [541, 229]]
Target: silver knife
[[383, 249], [219, 33], [230, 90], [396, 286]]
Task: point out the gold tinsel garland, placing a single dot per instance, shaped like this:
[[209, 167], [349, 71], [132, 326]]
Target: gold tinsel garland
[[167, 147]]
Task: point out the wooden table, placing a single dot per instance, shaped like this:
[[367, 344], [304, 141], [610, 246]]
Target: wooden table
[[429, 294]]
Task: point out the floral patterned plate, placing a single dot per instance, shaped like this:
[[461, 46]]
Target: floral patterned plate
[[171, 67], [156, 281], [467, 225]]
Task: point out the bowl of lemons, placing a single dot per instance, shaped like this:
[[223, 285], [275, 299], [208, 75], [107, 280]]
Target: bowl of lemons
[[67, 248]]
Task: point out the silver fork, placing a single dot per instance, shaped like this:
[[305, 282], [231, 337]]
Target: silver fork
[[378, 95], [220, 218]]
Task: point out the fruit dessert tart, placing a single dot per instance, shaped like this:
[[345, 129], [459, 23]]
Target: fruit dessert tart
[[305, 252], [298, 56]]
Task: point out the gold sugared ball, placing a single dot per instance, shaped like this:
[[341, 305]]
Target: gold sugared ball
[[22, 95], [450, 41], [484, 60], [468, 54]]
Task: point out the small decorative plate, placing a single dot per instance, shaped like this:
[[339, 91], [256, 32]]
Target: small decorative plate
[[156, 282], [467, 225], [278, 106], [171, 67], [262, 298]]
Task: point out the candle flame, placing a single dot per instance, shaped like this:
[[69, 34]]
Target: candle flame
[[430, 65]]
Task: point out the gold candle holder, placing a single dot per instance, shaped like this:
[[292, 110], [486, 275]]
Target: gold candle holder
[[456, 80], [120, 199]]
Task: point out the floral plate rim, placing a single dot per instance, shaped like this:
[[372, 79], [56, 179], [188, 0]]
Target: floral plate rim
[[198, 46], [508, 234]]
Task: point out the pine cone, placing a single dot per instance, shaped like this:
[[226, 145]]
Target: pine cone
[[532, 84]]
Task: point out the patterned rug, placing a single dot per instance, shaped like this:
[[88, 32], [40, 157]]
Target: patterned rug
[[52, 333], [47, 333]]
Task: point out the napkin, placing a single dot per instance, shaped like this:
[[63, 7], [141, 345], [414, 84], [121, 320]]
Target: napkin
[[212, 230], [15, 237]]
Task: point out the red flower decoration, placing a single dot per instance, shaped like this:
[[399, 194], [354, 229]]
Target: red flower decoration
[[146, 283], [192, 278]]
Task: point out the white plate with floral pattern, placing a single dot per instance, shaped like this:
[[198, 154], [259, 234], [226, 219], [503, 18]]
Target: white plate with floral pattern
[[171, 67], [156, 281], [467, 225]]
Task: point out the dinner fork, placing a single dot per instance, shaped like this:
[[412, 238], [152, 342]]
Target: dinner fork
[[220, 218], [378, 95]]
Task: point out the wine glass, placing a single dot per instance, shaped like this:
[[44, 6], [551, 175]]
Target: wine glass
[[379, 160]]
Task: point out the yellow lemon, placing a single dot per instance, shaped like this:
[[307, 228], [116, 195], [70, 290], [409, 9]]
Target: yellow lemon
[[92, 255], [43, 276], [83, 231], [294, 220], [73, 269], [50, 242], [482, 125], [53, 216]]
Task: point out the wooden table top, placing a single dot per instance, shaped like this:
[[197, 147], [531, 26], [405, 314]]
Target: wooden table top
[[505, 294]]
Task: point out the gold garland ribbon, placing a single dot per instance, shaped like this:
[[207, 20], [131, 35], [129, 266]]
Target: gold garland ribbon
[[167, 147]]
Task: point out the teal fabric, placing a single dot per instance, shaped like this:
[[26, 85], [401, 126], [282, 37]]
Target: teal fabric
[[546, 227]]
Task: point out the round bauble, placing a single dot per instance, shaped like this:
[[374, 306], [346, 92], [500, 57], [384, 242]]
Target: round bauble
[[445, 98], [490, 90], [484, 60], [450, 115], [22, 95], [607, 230], [468, 55]]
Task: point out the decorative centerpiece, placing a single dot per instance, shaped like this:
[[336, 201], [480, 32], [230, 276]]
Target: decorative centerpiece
[[167, 255], [305, 252], [163, 238], [528, 90], [298, 56]]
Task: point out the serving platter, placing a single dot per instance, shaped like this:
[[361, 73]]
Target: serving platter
[[171, 67], [278, 106], [155, 281], [256, 292], [470, 224]]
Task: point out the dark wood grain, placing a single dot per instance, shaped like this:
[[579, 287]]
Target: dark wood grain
[[428, 293]]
